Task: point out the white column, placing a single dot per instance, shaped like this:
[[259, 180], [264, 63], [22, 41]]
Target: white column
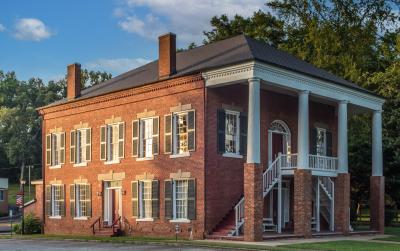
[[253, 132], [377, 166], [342, 137], [303, 131]]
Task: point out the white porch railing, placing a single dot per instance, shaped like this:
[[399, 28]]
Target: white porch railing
[[239, 216], [323, 163], [271, 175], [288, 161]]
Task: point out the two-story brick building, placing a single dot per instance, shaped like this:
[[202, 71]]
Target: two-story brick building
[[3, 196], [231, 138]]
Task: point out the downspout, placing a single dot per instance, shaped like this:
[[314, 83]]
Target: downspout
[[205, 151]]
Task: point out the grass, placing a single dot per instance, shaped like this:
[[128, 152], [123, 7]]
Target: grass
[[12, 193], [394, 232], [346, 246]]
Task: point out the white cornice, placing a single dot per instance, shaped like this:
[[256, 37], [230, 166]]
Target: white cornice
[[291, 80]]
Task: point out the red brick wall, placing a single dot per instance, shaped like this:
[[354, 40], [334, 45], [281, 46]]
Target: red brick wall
[[37, 207], [4, 203], [224, 176], [127, 104]]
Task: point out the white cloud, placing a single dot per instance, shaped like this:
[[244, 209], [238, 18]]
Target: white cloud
[[116, 65], [187, 18], [2, 28], [31, 29]]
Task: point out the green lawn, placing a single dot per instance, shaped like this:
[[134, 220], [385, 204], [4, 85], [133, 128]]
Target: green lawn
[[346, 246], [394, 231]]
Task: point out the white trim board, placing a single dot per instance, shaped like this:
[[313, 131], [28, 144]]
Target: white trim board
[[291, 80]]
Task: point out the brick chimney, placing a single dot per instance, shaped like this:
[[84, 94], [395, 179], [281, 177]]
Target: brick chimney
[[166, 55], [73, 81]]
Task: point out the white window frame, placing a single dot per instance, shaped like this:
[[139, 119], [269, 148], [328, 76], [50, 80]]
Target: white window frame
[[115, 145], [174, 201], [82, 147], [142, 126], [325, 146], [141, 202], [175, 135], [55, 204], [2, 193], [235, 154], [56, 149], [78, 200]]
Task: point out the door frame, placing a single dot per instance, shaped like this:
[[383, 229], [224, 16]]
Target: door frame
[[107, 206], [279, 127]]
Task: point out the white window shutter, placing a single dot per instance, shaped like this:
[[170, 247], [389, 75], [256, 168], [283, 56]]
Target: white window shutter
[[72, 149], [62, 148], [103, 142], [121, 139], [135, 138], [88, 144], [48, 149]]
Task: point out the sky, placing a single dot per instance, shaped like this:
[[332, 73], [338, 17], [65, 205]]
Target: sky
[[40, 38]]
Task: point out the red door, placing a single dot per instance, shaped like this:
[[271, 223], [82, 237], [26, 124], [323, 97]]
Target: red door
[[277, 145], [115, 204]]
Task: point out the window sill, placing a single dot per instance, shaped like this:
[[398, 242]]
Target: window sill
[[180, 221], [112, 162], [55, 217], [233, 155], [180, 155], [145, 158], [80, 164], [81, 218], [55, 167], [144, 219]]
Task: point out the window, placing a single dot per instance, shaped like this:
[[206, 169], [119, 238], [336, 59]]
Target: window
[[55, 196], [321, 142], [232, 133], [2, 195], [80, 200], [180, 133], [180, 199], [112, 142], [55, 149], [81, 146], [145, 203], [145, 137]]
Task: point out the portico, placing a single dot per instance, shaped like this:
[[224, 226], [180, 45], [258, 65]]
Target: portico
[[315, 173]]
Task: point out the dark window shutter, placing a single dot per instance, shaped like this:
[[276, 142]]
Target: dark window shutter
[[72, 146], [192, 199], [191, 131], [72, 199], [168, 198], [154, 199], [135, 201], [103, 144], [89, 203], [243, 134], [156, 132], [168, 134], [329, 143], [48, 201], [135, 138], [88, 144], [62, 203], [221, 131], [313, 144], [48, 149]]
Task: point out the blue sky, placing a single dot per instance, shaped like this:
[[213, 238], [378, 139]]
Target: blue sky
[[40, 38]]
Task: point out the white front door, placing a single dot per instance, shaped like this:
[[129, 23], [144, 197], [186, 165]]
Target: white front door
[[112, 203]]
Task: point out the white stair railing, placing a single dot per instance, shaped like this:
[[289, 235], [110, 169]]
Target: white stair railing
[[328, 186], [239, 216], [272, 175]]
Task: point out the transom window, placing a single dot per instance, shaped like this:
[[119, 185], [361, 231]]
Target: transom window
[[145, 137], [81, 146], [112, 142], [80, 200], [55, 200], [145, 195], [55, 149], [180, 133]]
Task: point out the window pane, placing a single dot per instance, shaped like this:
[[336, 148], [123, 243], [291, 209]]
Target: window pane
[[182, 134], [147, 208], [181, 198], [231, 132]]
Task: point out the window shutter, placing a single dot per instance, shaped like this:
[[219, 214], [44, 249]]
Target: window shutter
[[48, 200], [313, 144], [168, 133], [243, 134], [62, 148], [89, 200], [48, 149], [191, 199], [154, 199], [78, 146], [156, 132], [135, 138], [88, 144], [135, 199], [62, 203], [54, 152], [221, 131], [103, 142], [72, 148], [168, 199], [72, 199], [191, 131], [121, 139], [329, 143]]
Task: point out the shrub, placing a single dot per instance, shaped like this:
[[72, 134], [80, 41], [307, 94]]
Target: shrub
[[32, 225]]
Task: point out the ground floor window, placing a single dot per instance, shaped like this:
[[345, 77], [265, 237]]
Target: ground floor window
[[180, 199], [55, 200], [145, 199], [80, 200], [1, 195]]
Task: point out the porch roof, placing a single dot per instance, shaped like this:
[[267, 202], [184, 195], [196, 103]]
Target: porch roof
[[231, 51]]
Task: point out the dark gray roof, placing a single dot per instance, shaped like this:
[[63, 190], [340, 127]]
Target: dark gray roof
[[226, 52]]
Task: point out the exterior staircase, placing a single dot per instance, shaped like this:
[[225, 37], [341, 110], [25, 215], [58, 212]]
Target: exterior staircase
[[100, 228], [326, 203], [226, 227]]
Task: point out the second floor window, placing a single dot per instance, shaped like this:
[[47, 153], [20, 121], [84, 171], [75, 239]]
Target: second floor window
[[145, 137], [81, 146], [55, 149], [321, 142], [55, 200], [232, 133], [179, 132], [112, 137]]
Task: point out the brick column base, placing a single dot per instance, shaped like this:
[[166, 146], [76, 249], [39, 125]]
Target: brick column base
[[302, 211], [253, 202], [377, 203], [342, 203]]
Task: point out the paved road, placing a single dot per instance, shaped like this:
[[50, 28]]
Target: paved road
[[49, 245]]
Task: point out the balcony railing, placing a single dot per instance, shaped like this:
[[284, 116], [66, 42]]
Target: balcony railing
[[322, 163]]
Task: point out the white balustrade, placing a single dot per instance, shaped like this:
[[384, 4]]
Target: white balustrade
[[323, 163]]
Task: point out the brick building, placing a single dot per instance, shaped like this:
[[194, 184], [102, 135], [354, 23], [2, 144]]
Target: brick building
[[234, 138], [3, 196]]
